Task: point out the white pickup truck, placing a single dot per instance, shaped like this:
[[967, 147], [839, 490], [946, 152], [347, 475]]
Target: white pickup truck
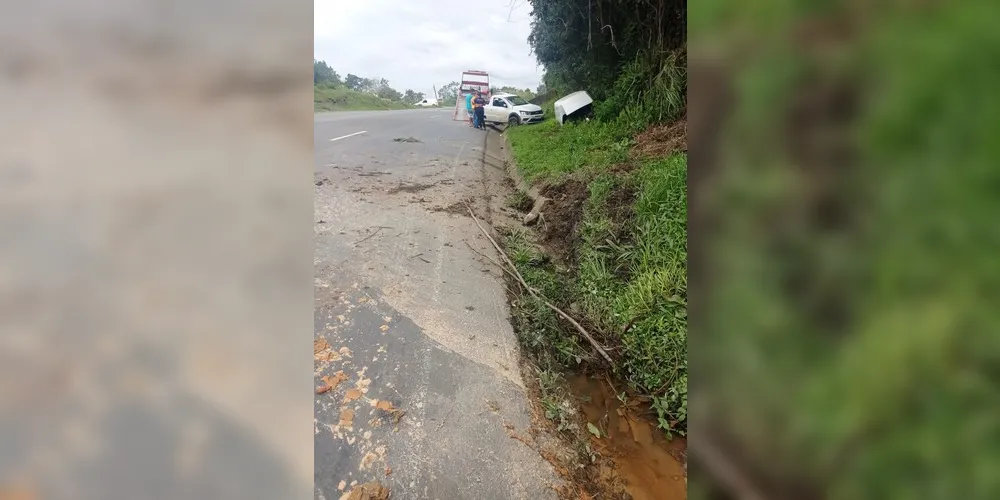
[[512, 110]]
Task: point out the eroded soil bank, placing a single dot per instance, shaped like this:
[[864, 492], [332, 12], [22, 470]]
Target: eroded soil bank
[[620, 452]]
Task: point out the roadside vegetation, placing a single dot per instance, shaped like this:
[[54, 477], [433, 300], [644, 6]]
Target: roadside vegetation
[[345, 99], [355, 93], [613, 250]]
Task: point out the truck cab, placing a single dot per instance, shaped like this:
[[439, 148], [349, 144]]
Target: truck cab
[[512, 110]]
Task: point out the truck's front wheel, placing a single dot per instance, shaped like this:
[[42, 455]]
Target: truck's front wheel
[[513, 121]]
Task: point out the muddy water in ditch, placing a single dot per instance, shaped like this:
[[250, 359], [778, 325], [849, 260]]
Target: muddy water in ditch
[[647, 462]]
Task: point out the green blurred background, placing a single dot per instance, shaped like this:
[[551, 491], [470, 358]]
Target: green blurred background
[[843, 246]]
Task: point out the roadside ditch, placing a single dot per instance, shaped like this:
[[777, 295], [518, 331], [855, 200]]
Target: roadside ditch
[[601, 436]]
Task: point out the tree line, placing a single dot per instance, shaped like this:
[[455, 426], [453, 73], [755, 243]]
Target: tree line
[[627, 53], [324, 75], [449, 93]]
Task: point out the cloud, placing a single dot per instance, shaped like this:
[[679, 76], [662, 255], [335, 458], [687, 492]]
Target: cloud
[[420, 46]]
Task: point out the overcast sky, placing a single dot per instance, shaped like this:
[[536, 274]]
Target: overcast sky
[[419, 43]]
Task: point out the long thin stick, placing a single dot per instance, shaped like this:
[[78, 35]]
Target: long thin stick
[[491, 259], [530, 290], [373, 234]]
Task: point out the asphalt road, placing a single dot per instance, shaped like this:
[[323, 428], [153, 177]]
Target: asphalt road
[[413, 317]]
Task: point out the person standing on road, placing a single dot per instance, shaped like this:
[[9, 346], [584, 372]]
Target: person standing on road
[[480, 112], [468, 108]]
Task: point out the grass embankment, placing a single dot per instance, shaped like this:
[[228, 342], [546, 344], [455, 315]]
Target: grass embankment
[[345, 99], [625, 272]]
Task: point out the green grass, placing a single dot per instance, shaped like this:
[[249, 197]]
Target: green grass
[[555, 400], [345, 99], [633, 275], [648, 90], [630, 280], [520, 201], [548, 151], [538, 327]]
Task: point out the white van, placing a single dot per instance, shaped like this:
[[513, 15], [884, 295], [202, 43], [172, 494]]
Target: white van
[[576, 106], [426, 103]]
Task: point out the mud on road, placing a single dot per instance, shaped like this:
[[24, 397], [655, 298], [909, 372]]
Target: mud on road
[[417, 377]]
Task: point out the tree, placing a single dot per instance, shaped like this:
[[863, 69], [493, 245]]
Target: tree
[[411, 97], [368, 85], [378, 86], [587, 44], [448, 93], [387, 92], [324, 74], [354, 82], [527, 94]]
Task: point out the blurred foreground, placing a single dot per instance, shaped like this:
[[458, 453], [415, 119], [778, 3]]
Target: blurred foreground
[[154, 279], [843, 250]]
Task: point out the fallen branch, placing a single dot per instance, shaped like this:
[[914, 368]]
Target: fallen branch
[[373, 234], [421, 257], [491, 259], [517, 275]]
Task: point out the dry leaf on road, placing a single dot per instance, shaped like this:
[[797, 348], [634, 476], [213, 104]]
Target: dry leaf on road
[[332, 381], [351, 395], [320, 345], [387, 407], [368, 491], [323, 352], [347, 417]]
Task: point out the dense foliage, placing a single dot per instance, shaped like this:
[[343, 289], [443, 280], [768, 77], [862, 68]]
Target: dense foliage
[[592, 44], [527, 94]]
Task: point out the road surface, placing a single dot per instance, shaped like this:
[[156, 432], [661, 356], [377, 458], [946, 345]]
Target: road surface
[[412, 317]]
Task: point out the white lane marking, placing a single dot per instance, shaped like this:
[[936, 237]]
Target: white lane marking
[[348, 135]]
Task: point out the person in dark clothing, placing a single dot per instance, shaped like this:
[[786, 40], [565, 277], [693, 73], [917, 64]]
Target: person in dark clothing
[[479, 111]]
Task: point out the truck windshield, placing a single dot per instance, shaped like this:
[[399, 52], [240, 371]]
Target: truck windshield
[[517, 100]]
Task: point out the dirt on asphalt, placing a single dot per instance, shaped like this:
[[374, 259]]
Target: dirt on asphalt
[[457, 208], [409, 188]]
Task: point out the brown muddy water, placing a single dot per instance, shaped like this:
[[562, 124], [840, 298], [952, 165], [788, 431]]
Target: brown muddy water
[[646, 460]]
